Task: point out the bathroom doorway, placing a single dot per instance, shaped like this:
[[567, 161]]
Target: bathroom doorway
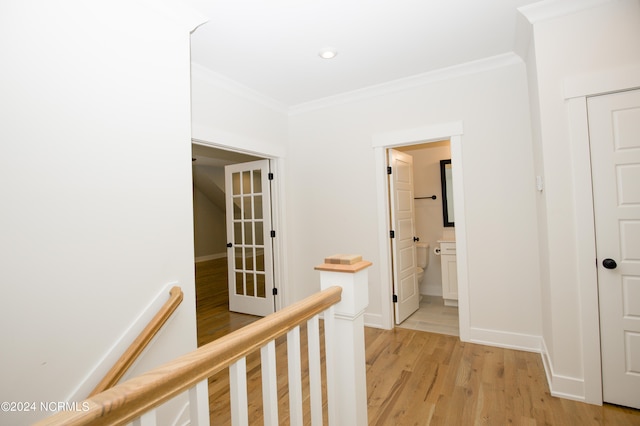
[[452, 131], [435, 313]]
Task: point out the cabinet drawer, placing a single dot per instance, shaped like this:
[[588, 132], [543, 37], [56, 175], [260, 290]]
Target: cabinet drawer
[[447, 248]]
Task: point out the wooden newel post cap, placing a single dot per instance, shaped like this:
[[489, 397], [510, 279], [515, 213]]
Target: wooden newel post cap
[[343, 263]]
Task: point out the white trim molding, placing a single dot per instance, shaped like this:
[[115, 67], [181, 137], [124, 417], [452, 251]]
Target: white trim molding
[[451, 131], [550, 9], [417, 135], [278, 217], [373, 320], [576, 90], [599, 83], [562, 386], [208, 136], [505, 339], [586, 249], [238, 89], [473, 67]]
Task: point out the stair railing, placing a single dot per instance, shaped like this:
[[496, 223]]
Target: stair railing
[[342, 302], [140, 343]]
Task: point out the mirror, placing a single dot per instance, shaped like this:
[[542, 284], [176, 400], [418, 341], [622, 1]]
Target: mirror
[[446, 178]]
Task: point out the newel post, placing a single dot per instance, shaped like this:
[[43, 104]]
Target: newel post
[[345, 351]]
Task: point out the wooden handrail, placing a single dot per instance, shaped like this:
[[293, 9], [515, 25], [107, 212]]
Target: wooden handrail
[[132, 398], [137, 346]]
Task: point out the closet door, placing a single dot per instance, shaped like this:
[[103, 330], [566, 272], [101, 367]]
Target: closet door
[[614, 128]]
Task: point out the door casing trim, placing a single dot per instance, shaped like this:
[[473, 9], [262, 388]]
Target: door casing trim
[[577, 89], [283, 298], [451, 131]]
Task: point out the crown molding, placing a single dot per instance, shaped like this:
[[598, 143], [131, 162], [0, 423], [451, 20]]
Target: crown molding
[[408, 83], [236, 88], [550, 9]]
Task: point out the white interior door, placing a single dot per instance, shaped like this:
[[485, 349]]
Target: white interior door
[[614, 127], [249, 248], [403, 250]]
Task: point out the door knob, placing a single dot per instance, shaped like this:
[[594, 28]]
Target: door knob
[[416, 239], [609, 264]]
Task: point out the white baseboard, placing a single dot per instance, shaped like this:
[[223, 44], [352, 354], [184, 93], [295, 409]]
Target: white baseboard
[[431, 291], [210, 257], [502, 339], [373, 320], [561, 386]]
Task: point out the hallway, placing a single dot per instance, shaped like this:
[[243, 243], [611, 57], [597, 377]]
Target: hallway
[[413, 377]]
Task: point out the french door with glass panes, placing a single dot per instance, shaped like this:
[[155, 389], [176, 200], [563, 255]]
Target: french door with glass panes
[[250, 250]]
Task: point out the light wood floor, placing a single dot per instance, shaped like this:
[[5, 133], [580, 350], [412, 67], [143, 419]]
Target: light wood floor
[[214, 320], [413, 377], [212, 302]]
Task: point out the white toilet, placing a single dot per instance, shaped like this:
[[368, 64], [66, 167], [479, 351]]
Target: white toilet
[[422, 257]]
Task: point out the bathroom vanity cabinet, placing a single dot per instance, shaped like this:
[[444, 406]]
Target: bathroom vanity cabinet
[[449, 273]]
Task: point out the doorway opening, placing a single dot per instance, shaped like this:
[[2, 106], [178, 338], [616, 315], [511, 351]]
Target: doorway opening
[[437, 288], [211, 239], [451, 131]]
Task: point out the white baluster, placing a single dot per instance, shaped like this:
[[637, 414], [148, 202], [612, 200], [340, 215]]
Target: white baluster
[[295, 376], [330, 365], [238, 392], [199, 404], [269, 384], [350, 371], [315, 376], [147, 419]]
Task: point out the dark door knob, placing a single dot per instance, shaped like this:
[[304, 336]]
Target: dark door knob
[[416, 239], [609, 264]]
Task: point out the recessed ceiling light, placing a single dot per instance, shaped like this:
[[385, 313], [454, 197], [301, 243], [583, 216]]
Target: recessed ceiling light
[[328, 53]]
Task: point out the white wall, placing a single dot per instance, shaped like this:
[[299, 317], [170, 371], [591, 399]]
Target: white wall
[[429, 222], [333, 199], [231, 116], [595, 40], [95, 183]]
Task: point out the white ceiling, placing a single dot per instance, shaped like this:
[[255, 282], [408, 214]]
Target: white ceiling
[[271, 46]]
